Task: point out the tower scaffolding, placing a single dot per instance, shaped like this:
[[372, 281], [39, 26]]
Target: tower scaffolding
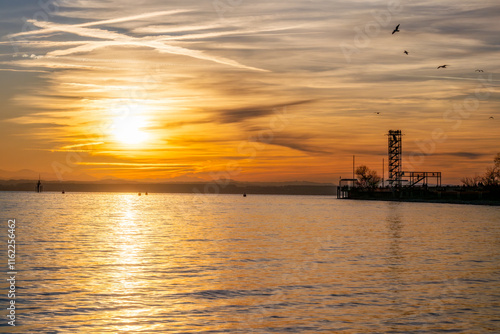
[[395, 157]]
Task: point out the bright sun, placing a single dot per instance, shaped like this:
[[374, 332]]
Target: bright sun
[[128, 130], [128, 127]]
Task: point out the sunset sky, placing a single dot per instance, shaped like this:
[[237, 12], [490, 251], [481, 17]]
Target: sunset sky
[[247, 90]]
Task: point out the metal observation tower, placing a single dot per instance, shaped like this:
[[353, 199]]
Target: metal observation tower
[[399, 180], [395, 157], [396, 172]]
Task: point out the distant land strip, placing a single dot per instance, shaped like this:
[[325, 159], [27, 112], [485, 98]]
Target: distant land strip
[[203, 188]]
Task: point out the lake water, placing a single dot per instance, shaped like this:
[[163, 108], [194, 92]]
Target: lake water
[[182, 263]]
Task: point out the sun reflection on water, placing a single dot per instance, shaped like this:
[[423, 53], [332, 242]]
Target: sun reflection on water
[[127, 267]]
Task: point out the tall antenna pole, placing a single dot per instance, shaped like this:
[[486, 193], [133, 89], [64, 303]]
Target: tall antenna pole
[[39, 185], [353, 163], [383, 173]]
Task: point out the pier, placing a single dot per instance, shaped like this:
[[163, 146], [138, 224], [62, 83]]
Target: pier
[[412, 185]]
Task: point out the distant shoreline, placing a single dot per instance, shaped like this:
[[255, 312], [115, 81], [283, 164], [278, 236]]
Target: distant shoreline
[[187, 188]]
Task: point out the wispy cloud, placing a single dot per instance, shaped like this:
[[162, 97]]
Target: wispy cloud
[[119, 39], [18, 70], [49, 30], [237, 115]]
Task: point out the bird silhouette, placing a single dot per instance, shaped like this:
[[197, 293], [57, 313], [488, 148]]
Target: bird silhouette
[[396, 29], [479, 71], [406, 52], [377, 112], [442, 66], [491, 117]]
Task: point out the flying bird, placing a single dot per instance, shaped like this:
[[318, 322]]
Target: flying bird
[[406, 52], [396, 29], [491, 117], [377, 112], [479, 71], [442, 66]]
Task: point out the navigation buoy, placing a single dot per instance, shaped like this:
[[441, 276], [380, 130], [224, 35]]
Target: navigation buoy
[[244, 195]]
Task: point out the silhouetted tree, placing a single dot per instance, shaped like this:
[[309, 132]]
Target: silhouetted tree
[[471, 181], [491, 178], [367, 178], [492, 175]]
